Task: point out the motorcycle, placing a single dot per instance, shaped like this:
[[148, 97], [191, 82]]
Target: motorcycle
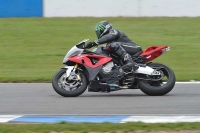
[[100, 71]]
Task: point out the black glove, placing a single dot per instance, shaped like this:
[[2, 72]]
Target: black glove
[[91, 44]]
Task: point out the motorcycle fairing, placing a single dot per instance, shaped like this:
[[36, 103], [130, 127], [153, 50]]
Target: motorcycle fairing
[[84, 59], [93, 72], [96, 86], [153, 52]]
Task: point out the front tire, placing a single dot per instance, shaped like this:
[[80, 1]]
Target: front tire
[[158, 88], [69, 87]]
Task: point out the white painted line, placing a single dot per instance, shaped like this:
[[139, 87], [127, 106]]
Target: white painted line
[[7, 118], [141, 118], [188, 82], [161, 119]]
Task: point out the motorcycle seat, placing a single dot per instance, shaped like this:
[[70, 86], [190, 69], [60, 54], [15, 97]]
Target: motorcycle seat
[[137, 54], [132, 49]]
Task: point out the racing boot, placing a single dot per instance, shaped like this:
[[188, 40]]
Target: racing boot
[[129, 63], [118, 50]]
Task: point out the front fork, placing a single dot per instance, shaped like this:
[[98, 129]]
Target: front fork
[[77, 75]]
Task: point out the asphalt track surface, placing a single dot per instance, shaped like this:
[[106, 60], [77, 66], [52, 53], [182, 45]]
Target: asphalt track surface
[[40, 98]]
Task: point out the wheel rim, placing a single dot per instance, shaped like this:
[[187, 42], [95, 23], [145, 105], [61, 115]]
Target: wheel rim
[[164, 78], [70, 83]]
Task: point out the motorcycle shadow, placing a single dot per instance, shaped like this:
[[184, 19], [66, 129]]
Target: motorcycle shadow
[[121, 95]]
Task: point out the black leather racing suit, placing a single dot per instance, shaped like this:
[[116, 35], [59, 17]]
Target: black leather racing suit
[[115, 40]]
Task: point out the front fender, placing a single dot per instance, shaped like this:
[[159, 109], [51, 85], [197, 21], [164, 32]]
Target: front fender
[[68, 69], [90, 74]]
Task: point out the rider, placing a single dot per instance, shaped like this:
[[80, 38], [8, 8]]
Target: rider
[[114, 39]]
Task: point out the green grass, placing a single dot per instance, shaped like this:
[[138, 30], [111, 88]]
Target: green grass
[[32, 49], [87, 127]]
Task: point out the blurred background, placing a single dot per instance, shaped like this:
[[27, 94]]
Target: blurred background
[[35, 35]]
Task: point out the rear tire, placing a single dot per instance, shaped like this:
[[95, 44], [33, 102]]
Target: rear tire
[[156, 88], [60, 88]]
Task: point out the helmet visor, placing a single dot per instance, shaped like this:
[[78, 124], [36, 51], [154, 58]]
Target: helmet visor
[[98, 33]]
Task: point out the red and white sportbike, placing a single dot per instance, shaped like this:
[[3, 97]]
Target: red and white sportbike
[[100, 71]]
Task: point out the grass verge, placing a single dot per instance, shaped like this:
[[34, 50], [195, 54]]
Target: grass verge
[[32, 49], [105, 127]]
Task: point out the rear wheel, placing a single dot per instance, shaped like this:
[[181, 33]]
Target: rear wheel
[[71, 86], [162, 84]]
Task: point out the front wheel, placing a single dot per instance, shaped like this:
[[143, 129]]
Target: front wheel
[[71, 86], [161, 86]]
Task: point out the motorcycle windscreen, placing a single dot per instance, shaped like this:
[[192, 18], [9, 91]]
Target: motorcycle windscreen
[[72, 52]]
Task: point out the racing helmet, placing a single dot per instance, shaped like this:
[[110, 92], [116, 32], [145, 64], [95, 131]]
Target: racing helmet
[[102, 28]]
